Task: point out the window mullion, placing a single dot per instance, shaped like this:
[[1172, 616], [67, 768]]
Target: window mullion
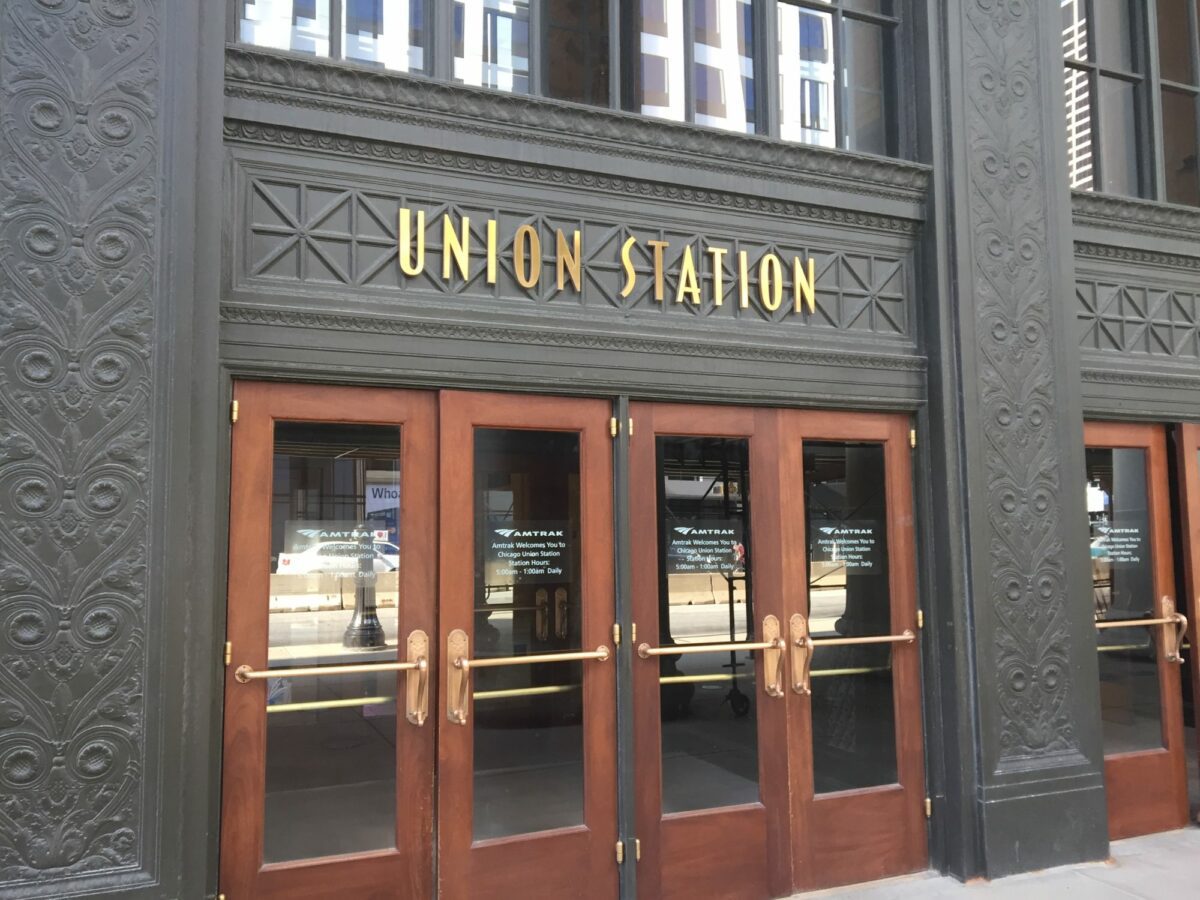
[[840, 81], [335, 29], [615, 72], [538, 35], [689, 62], [1152, 143], [766, 67], [1097, 146]]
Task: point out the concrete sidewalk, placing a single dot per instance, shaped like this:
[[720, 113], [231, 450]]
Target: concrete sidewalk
[[1158, 867]]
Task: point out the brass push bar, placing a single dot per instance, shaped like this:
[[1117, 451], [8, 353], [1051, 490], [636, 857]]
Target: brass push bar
[[458, 673], [1172, 618], [805, 645], [772, 646], [417, 681]]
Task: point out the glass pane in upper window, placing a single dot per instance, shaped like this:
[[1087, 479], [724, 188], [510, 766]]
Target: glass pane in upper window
[[660, 90], [1114, 31], [723, 68], [1079, 129], [879, 7], [866, 100], [491, 44], [1074, 29], [577, 50], [1179, 147], [806, 76], [1119, 156], [1175, 41], [389, 33], [301, 26]]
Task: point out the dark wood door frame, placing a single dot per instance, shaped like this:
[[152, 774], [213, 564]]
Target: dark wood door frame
[[1189, 484], [403, 873], [1147, 789]]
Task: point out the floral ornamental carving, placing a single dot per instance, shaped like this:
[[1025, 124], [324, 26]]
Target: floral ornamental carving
[[78, 172], [1013, 295]]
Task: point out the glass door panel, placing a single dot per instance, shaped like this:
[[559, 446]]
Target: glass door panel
[[1132, 575], [334, 593], [528, 719], [708, 700], [853, 720]]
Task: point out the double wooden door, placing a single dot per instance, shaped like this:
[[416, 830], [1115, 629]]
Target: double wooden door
[[1140, 628], [421, 675], [776, 679], [420, 683]]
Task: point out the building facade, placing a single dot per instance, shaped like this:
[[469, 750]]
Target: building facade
[[756, 441]]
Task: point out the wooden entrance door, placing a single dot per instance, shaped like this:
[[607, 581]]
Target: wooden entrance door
[[760, 772], [855, 729], [410, 609], [328, 751], [1189, 481], [527, 750], [1137, 630]]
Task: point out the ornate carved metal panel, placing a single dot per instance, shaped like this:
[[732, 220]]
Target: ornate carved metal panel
[[78, 194]]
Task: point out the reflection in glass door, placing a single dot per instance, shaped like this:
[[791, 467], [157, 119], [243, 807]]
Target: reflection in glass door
[[330, 617], [1137, 629]]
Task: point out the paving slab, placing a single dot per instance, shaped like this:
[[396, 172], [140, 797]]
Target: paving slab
[[1157, 867]]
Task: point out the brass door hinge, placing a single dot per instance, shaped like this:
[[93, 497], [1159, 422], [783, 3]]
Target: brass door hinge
[[614, 426], [620, 852], [233, 412], [633, 632], [617, 634], [929, 807], [631, 427], [637, 849], [912, 438], [920, 619], [228, 652]]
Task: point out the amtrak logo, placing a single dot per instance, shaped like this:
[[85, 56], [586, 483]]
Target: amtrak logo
[[834, 531], [715, 532], [518, 533]]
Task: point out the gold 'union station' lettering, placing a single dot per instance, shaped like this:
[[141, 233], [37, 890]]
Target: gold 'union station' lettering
[[687, 283]]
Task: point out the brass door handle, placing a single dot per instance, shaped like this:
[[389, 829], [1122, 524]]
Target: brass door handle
[[458, 673], [772, 646], [416, 682], [1171, 620], [805, 645]]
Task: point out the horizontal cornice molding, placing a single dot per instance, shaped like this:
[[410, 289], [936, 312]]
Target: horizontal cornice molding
[[1124, 214], [387, 152], [1106, 371], [247, 314], [1089, 250], [335, 87]]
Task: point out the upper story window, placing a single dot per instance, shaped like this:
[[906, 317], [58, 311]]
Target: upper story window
[[1132, 89], [819, 72]]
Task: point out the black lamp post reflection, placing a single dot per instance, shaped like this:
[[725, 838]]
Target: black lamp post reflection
[[365, 631]]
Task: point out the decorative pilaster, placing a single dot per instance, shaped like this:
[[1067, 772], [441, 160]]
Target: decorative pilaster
[[1039, 797]]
